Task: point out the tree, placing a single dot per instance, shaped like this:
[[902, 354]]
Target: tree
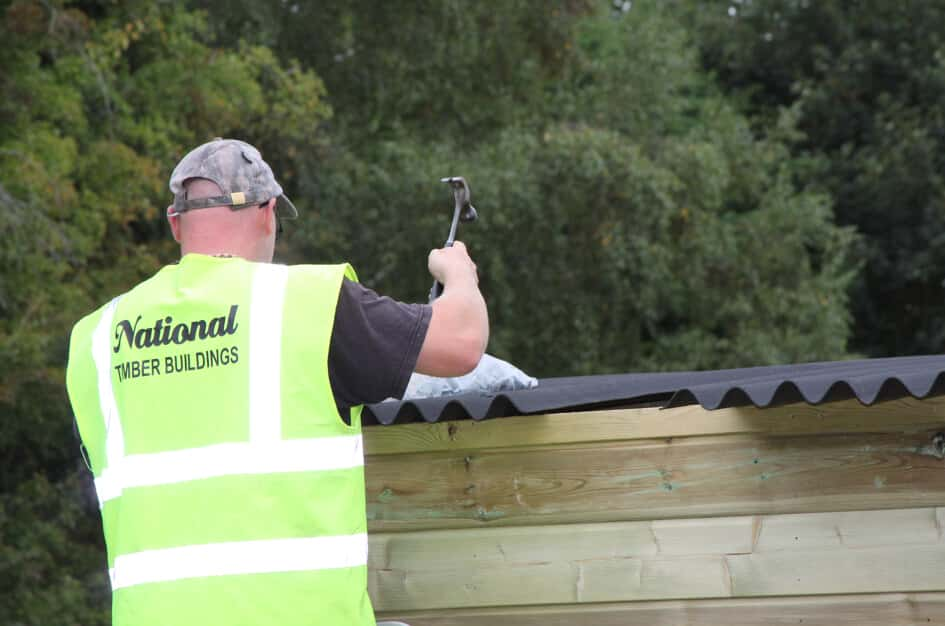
[[628, 227], [865, 81], [439, 70]]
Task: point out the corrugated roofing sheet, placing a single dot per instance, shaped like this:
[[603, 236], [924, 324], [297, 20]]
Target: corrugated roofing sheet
[[868, 380]]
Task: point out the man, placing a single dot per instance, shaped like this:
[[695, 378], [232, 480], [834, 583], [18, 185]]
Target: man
[[219, 402]]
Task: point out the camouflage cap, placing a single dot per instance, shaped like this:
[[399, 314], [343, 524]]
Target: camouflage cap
[[238, 170]]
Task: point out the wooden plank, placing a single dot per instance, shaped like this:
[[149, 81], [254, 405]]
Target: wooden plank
[[866, 551], [854, 529], [689, 477], [653, 423], [715, 535], [861, 570], [888, 609], [495, 548], [550, 582]]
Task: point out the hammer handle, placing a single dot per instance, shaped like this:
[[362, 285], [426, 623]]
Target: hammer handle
[[437, 289]]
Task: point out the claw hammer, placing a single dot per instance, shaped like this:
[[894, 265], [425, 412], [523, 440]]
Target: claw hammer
[[463, 211]]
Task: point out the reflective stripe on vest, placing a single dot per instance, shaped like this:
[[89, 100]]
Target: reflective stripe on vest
[[265, 349], [264, 453], [114, 439], [239, 557]]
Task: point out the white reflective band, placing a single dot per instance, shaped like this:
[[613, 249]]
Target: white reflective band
[[107, 486], [230, 459], [265, 352], [241, 557], [102, 356]]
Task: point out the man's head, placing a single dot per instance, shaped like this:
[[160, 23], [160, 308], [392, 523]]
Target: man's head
[[225, 201]]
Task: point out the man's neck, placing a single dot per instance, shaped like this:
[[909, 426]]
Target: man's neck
[[222, 251]]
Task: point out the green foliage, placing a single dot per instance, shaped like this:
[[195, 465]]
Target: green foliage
[[430, 69], [632, 230], [97, 109], [866, 82], [632, 73], [52, 561]]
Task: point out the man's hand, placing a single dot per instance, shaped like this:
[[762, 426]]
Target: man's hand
[[452, 264], [459, 328]]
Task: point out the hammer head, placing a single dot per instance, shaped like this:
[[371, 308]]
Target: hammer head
[[462, 196]]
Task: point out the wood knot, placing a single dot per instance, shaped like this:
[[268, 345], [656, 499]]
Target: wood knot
[[938, 443]]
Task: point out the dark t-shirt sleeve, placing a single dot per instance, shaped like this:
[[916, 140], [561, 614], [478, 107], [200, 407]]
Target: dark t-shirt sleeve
[[374, 345]]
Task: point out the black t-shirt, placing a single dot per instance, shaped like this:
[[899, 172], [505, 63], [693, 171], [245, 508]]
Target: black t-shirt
[[374, 347]]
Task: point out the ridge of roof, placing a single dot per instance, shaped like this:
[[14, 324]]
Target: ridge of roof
[[867, 380]]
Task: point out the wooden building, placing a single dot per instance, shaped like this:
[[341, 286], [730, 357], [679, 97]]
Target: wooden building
[[798, 514]]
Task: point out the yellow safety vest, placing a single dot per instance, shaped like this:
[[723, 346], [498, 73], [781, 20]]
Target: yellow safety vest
[[231, 491]]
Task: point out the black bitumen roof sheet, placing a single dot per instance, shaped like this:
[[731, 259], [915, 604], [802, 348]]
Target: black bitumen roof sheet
[[868, 380]]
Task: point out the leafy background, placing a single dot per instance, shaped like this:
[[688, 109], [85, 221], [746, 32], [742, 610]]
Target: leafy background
[[662, 185]]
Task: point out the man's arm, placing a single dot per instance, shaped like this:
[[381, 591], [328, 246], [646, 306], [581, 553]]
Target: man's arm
[[459, 328]]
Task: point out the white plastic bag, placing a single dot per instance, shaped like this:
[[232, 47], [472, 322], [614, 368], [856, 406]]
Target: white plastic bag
[[490, 376]]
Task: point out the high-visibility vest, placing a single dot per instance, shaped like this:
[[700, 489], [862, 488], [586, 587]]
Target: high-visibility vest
[[231, 491]]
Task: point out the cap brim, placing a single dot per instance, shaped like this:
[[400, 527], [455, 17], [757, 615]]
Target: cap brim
[[286, 208]]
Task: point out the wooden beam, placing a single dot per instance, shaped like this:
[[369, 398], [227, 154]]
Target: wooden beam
[[652, 423], [647, 479], [887, 609], [826, 553]]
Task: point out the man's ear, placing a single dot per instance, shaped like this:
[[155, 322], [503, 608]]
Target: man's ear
[[268, 210], [174, 220]]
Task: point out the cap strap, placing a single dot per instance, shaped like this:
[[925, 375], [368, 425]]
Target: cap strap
[[236, 200]]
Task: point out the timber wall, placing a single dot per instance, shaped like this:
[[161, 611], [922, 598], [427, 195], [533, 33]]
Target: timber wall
[[829, 514]]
